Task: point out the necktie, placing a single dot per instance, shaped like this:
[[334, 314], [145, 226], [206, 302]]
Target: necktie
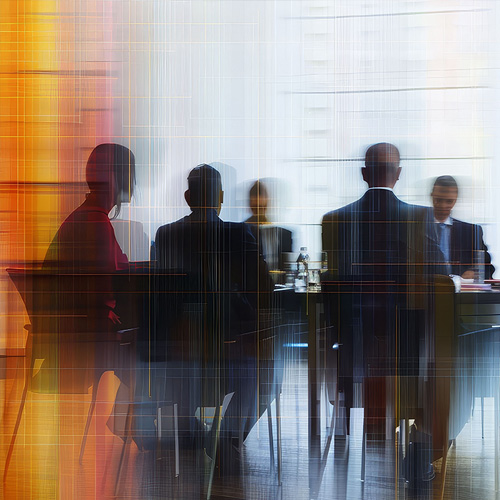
[[444, 244]]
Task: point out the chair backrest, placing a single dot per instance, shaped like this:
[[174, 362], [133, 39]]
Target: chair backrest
[[159, 302], [62, 302], [69, 323]]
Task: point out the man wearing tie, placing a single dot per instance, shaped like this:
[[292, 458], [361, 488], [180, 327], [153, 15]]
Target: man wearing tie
[[460, 244]]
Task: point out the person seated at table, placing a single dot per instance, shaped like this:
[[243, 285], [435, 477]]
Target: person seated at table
[[459, 242], [223, 256], [375, 248], [86, 241], [229, 280], [376, 235], [273, 240], [85, 245]]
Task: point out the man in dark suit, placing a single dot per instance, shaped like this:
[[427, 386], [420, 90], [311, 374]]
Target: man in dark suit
[[377, 235], [229, 280], [460, 243], [375, 248], [273, 240], [223, 257]]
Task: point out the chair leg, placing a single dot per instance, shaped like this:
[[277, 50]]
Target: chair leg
[[124, 453], [496, 434], [27, 377], [89, 418], [363, 451], [271, 439], [219, 415], [158, 432], [213, 445], [482, 417], [176, 441], [444, 466], [14, 432], [336, 409], [128, 438], [278, 432]]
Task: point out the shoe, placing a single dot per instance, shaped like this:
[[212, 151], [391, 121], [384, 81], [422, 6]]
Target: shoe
[[429, 474], [416, 465]]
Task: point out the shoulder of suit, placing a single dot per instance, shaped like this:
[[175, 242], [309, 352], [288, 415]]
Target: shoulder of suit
[[466, 226], [459, 222], [338, 213], [171, 225], [238, 226], [421, 212]]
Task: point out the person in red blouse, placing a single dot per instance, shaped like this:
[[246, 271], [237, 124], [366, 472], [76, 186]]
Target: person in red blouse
[[86, 242], [82, 257]]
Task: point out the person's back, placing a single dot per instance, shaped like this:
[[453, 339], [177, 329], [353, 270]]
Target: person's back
[[219, 257], [378, 237], [221, 260], [82, 257], [222, 266], [85, 242], [375, 250]]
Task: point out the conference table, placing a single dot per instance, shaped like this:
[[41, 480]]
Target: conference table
[[477, 375], [466, 356], [471, 355]]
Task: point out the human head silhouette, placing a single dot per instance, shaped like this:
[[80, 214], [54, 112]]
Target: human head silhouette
[[381, 165], [258, 199], [110, 174], [444, 196], [204, 188]]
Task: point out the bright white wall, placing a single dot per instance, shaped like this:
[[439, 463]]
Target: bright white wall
[[296, 90]]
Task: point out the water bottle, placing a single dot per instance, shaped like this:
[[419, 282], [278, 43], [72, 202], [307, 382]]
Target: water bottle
[[302, 268]]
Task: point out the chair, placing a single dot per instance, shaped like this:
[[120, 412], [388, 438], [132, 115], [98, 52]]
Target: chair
[[256, 364], [178, 393], [270, 373], [357, 355], [65, 326]]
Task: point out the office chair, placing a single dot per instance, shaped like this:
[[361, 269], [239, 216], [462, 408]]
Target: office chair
[[61, 310]]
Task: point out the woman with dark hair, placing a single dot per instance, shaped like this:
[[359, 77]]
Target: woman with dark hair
[[86, 240], [82, 258]]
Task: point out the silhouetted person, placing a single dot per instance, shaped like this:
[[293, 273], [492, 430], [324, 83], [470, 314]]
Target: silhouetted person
[[273, 240], [458, 242], [375, 236], [222, 256], [375, 248], [222, 262], [86, 240], [85, 248]]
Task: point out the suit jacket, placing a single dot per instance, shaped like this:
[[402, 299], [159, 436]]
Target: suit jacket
[[465, 240], [223, 261], [376, 248], [378, 237]]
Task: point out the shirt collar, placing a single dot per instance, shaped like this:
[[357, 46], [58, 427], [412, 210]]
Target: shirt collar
[[447, 222], [381, 187]]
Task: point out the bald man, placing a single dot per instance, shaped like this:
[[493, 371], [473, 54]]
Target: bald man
[[375, 247], [376, 236]]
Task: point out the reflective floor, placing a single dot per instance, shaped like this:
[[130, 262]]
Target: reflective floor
[[45, 460]]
